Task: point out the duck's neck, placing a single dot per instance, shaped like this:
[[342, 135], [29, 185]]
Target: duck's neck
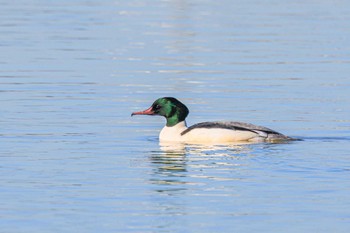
[[172, 121], [176, 115]]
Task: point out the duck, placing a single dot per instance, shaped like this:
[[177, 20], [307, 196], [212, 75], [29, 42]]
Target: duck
[[176, 130]]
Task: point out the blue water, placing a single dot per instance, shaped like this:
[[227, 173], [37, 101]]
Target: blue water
[[73, 160]]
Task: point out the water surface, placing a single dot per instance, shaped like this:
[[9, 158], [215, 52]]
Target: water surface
[[73, 160]]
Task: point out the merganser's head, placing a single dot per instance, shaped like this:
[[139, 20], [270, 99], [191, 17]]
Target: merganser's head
[[173, 110]]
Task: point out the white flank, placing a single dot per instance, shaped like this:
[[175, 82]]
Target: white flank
[[206, 135]]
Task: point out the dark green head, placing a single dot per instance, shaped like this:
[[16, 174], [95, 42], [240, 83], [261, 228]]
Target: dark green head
[[173, 110]]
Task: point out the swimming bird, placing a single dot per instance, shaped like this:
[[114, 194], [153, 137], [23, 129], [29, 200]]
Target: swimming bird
[[176, 129]]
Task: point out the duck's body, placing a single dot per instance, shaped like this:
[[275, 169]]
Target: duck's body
[[219, 132], [207, 132]]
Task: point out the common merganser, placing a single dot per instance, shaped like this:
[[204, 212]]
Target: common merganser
[[176, 129]]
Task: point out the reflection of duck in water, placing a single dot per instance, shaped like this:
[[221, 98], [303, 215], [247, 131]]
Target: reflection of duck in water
[[176, 130], [169, 161]]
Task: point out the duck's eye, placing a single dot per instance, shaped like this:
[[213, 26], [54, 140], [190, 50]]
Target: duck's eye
[[157, 106]]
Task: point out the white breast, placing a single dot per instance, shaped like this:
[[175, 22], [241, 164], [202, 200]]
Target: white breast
[[173, 134]]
